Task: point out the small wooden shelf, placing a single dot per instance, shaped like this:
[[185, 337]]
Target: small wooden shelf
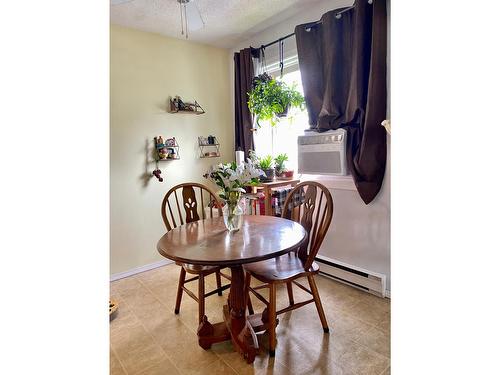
[[168, 147], [210, 156], [189, 108], [267, 190], [213, 149], [169, 159]]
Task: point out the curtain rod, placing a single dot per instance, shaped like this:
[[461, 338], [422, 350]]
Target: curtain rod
[[309, 25], [277, 40]]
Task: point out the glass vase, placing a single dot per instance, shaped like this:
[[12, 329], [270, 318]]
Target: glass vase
[[233, 212]]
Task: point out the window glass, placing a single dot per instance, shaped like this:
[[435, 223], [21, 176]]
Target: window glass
[[282, 138]]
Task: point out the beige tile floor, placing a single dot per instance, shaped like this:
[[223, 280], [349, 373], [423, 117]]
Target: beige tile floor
[[148, 338]]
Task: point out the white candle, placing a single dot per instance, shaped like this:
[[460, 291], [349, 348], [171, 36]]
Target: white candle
[[240, 157]]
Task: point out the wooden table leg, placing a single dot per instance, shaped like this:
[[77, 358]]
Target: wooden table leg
[[242, 334], [235, 325], [209, 333], [267, 201]]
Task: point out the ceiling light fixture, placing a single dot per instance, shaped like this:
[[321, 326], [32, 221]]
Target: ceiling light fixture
[[190, 17]]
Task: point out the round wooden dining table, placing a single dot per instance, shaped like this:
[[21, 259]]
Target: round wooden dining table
[[207, 242]]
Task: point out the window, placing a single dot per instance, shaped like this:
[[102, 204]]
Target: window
[[282, 138]]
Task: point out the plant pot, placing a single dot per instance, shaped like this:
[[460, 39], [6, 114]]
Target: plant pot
[[284, 113], [269, 175], [284, 175]]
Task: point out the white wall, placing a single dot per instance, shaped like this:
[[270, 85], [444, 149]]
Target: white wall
[[360, 234], [145, 70]]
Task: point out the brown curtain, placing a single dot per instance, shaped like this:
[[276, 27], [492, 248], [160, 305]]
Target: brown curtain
[[343, 66], [243, 75]]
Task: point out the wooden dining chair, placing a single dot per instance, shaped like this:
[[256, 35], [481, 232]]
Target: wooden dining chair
[[183, 204], [311, 205]]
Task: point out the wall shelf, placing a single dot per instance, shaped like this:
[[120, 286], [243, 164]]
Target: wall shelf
[[209, 150], [166, 150], [176, 105]]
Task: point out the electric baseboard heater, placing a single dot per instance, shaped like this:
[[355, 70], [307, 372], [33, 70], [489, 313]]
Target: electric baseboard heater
[[371, 282]]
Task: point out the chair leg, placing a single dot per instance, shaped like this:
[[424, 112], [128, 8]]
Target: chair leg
[[201, 298], [290, 292], [272, 319], [317, 301], [219, 282], [248, 278], [182, 277]]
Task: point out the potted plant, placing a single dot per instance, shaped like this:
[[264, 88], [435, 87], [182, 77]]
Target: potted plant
[[266, 164], [270, 99], [279, 162]]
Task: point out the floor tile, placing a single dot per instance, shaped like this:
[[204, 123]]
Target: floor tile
[[165, 367], [369, 313], [216, 368], [138, 353], [147, 338], [376, 340], [362, 361], [115, 367]]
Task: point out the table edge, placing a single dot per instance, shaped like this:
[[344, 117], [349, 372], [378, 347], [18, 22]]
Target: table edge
[[235, 262]]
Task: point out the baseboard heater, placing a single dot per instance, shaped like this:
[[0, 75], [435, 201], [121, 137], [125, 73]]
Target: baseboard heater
[[368, 281]]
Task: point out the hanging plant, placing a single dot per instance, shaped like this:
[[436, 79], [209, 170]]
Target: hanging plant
[[271, 99]]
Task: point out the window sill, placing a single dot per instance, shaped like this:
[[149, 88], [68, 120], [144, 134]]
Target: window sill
[[331, 182]]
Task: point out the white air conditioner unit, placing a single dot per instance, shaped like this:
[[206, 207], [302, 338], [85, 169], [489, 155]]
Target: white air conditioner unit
[[323, 153]]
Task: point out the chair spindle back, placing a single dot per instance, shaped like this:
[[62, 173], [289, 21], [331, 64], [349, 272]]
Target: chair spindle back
[[310, 204], [194, 197]]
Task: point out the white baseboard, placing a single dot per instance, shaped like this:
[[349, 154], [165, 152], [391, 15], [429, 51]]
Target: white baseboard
[[133, 271]]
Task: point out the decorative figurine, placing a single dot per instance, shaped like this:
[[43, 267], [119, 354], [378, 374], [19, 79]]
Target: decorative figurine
[[163, 153], [160, 148], [180, 103], [157, 173], [171, 153]]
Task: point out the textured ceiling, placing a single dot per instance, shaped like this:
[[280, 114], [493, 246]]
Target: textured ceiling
[[227, 22]]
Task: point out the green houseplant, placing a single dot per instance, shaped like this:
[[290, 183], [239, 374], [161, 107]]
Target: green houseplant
[[270, 99], [279, 162], [266, 164]]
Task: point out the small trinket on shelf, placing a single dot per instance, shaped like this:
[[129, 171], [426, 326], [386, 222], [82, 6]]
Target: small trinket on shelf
[[180, 103], [160, 148], [167, 149], [171, 153], [163, 153]]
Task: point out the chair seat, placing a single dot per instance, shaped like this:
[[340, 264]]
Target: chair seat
[[283, 268], [197, 269]]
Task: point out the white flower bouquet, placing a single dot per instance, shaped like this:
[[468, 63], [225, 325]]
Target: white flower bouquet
[[232, 179]]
